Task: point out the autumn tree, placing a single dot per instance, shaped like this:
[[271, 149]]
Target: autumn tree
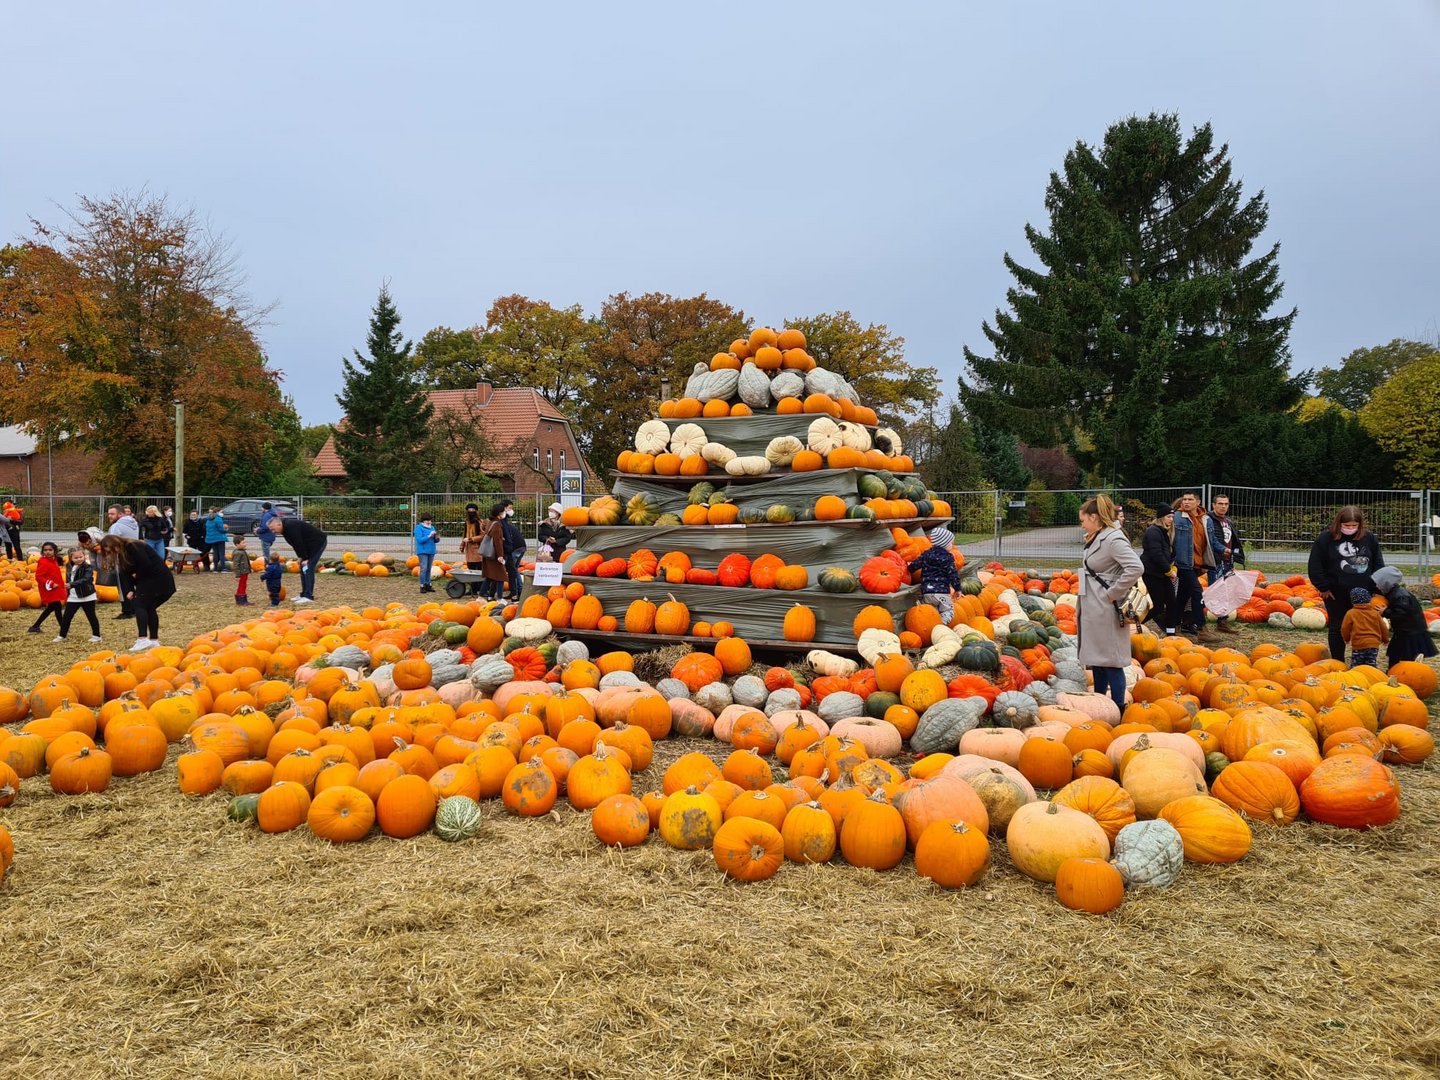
[[872, 360], [640, 340], [387, 411], [1403, 416], [1364, 371], [450, 359], [530, 343], [458, 450], [109, 318], [1148, 332]]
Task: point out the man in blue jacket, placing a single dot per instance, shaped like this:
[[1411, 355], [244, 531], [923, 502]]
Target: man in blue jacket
[[262, 529], [1189, 597]]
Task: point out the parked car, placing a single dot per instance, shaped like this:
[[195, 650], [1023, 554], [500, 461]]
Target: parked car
[[242, 514]]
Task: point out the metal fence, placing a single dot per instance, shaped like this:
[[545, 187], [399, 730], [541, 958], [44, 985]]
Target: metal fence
[[1022, 529]]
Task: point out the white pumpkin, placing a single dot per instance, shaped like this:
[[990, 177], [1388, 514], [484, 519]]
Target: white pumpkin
[[747, 466], [823, 435], [1308, 618], [754, 387], [782, 450], [827, 663], [529, 629], [896, 446], [570, 651], [787, 384], [652, 437], [719, 385], [717, 454], [695, 382], [854, 436], [820, 381], [875, 643], [687, 440]]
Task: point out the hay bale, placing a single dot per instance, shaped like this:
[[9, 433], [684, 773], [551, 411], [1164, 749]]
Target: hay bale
[[657, 664]]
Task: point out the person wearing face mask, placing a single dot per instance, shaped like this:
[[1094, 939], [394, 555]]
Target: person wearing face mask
[[1344, 557], [553, 536], [514, 548]]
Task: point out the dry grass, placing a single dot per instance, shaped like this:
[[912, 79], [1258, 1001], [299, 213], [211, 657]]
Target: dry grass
[[145, 936]]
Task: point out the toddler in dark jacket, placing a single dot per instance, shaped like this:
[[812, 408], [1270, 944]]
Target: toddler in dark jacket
[[1409, 636], [272, 574], [938, 575]]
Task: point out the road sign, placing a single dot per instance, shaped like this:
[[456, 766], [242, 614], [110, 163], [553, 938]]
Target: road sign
[[572, 487]]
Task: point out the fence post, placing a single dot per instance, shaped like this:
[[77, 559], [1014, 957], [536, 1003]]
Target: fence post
[[414, 518], [1423, 560], [999, 526]]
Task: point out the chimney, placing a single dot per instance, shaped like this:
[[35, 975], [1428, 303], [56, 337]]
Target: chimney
[[483, 389]]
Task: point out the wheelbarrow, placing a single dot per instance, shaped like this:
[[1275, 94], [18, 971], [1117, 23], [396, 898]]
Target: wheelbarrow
[[460, 582]]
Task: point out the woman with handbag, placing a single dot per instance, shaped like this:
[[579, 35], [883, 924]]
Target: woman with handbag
[[1109, 568], [492, 555], [470, 543]]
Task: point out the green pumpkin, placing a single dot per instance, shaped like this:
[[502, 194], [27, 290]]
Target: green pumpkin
[[510, 644], [437, 628], [979, 657], [871, 486], [243, 807], [780, 514], [970, 585], [641, 510], [877, 703], [924, 508], [860, 513], [548, 650], [718, 498], [836, 579], [1215, 764], [912, 488], [1025, 635], [455, 634], [667, 519], [700, 494], [753, 517], [1010, 650], [458, 818]]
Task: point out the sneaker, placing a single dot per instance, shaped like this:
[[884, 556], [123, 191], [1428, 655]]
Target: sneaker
[[57, 640], [303, 600], [141, 644], [33, 630], [93, 638]]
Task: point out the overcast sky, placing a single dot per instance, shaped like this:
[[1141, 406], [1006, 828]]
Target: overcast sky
[[786, 158]]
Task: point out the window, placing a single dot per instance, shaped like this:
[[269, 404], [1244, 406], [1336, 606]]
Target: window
[[562, 459], [535, 459], [549, 459]]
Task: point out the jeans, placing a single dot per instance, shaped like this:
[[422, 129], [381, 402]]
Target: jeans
[[266, 539], [427, 562], [1364, 656], [157, 546], [217, 555], [512, 565], [1187, 589], [1111, 680], [490, 590], [307, 573]]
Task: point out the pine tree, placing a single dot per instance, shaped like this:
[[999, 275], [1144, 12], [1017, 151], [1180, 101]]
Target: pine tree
[[1146, 335], [999, 452], [954, 463], [387, 411]]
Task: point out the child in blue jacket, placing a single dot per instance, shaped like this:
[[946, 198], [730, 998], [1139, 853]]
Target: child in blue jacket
[[938, 574], [426, 544], [273, 572]]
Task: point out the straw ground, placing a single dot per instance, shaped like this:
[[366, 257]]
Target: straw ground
[[145, 936]]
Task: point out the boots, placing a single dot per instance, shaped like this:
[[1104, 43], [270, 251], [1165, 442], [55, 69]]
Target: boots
[[1206, 635], [242, 601], [1224, 627]]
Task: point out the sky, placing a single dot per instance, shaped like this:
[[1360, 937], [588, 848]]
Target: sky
[[786, 158]]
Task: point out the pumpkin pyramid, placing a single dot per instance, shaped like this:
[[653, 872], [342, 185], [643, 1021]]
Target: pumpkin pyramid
[[766, 502]]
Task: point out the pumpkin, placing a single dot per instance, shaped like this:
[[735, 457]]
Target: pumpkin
[[283, 806], [406, 806], [1102, 799], [1041, 836], [652, 437], [341, 814], [747, 466], [1090, 885], [836, 579], [953, 854], [621, 821], [1149, 854], [1001, 795], [944, 797], [1159, 776], [748, 849], [85, 770], [873, 833], [808, 834], [1210, 831], [1258, 790], [881, 576], [689, 819], [1352, 792], [943, 723]]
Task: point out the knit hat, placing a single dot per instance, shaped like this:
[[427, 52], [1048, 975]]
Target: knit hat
[[1359, 596], [941, 537], [1163, 510], [1387, 578]]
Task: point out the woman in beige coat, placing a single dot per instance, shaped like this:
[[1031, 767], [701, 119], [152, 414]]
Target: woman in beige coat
[[1109, 568]]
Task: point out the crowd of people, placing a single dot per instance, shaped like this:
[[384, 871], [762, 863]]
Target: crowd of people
[[493, 547]]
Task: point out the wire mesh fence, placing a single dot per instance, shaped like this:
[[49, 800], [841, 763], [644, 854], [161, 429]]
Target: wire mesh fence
[[1022, 529]]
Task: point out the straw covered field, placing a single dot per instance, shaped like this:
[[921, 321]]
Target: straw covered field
[[146, 936]]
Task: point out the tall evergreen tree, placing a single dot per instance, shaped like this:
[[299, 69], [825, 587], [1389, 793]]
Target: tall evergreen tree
[[387, 412], [999, 452], [954, 463], [1146, 336]]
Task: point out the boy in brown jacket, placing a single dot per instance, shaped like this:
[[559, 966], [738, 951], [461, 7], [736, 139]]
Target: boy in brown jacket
[[1363, 629]]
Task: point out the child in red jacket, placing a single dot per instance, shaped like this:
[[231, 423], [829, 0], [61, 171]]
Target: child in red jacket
[[50, 580]]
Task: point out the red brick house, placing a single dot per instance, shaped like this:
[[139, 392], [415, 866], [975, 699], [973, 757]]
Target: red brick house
[[528, 441], [28, 466]]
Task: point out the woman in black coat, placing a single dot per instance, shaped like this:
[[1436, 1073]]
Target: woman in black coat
[[150, 584], [1344, 557], [1157, 556]]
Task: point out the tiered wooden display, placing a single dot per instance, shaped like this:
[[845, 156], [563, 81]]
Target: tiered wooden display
[[711, 603]]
